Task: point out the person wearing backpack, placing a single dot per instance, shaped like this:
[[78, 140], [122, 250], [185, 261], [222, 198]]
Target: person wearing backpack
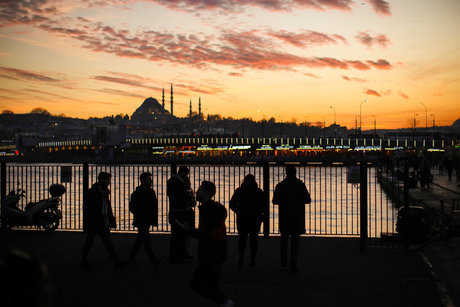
[[144, 206]]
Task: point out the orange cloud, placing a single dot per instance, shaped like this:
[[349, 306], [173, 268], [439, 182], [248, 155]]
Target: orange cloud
[[372, 92], [353, 79], [403, 95]]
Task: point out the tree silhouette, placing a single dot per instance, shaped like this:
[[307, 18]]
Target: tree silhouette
[[41, 111], [7, 112]]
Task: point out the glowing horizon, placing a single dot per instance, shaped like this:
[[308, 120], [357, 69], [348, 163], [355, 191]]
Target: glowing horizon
[[302, 60]]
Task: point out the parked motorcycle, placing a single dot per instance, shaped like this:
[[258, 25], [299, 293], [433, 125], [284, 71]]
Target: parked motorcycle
[[43, 214]]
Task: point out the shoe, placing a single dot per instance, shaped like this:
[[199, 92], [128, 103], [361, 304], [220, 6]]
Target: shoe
[[228, 303]]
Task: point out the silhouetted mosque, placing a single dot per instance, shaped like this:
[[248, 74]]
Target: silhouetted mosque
[[151, 109]]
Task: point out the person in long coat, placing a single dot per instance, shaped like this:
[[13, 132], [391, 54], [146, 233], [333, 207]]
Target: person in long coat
[[181, 214], [99, 219], [291, 195], [144, 206], [248, 202]]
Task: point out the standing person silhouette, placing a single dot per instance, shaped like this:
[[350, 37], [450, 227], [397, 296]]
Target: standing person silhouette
[[212, 246], [181, 214], [291, 195], [248, 202], [144, 206], [99, 219]]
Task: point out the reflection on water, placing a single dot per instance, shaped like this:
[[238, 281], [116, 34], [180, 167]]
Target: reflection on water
[[334, 209]]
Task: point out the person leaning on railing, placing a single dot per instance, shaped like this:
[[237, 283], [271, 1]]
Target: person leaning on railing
[[291, 195], [248, 202]]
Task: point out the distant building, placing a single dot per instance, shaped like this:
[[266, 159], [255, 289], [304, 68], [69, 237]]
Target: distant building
[[150, 110]]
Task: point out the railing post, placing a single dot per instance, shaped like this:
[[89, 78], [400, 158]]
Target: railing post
[[266, 188], [363, 207], [85, 193], [3, 192], [173, 169]]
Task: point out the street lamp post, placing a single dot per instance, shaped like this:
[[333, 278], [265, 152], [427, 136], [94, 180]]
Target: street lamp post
[[360, 117], [426, 115], [434, 122]]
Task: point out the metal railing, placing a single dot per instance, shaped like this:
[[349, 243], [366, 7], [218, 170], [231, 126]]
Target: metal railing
[[334, 211]]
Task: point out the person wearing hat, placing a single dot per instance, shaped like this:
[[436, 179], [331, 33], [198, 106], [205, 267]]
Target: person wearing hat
[[144, 206], [99, 219], [181, 214]]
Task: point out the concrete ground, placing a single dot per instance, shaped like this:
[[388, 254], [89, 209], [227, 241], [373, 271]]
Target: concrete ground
[[332, 273]]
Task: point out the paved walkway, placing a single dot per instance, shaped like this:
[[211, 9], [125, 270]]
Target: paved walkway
[[445, 255], [333, 273]]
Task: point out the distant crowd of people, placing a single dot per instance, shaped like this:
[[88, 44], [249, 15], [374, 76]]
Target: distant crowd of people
[[417, 167], [248, 202]]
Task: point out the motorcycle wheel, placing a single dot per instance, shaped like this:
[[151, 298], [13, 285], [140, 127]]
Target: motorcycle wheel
[[53, 218]]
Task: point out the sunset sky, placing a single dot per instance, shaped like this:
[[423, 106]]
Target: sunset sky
[[289, 59]]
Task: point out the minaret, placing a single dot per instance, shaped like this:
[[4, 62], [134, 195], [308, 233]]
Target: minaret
[[190, 109], [163, 97], [172, 101], [199, 106]]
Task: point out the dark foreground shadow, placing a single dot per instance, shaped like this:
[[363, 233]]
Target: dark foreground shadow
[[332, 273]]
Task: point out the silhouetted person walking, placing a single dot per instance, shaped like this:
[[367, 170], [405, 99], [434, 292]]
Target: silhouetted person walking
[[181, 214], [291, 195], [144, 206], [212, 246], [248, 202], [99, 219]]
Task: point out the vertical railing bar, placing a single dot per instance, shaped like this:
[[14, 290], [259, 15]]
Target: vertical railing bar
[[3, 191]]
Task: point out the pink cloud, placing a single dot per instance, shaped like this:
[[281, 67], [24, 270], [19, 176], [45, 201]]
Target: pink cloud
[[125, 81], [380, 64], [119, 93], [381, 7], [369, 41], [239, 50], [358, 65], [306, 38], [15, 74]]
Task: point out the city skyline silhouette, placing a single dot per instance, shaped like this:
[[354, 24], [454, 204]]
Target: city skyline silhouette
[[296, 61]]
